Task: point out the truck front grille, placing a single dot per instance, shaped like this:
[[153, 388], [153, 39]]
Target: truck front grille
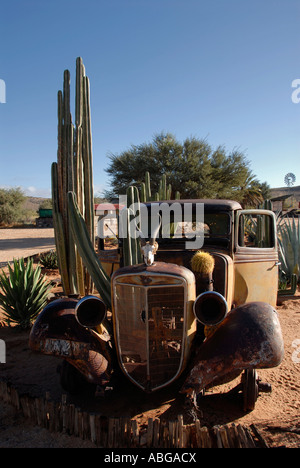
[[150, 324]]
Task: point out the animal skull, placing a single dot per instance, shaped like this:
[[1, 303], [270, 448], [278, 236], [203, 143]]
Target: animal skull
[[149, 250]]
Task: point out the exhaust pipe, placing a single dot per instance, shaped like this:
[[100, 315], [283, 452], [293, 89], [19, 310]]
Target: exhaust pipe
[[210, 308], [90, 311]]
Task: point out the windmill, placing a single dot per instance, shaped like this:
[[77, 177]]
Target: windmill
[[289, 179]]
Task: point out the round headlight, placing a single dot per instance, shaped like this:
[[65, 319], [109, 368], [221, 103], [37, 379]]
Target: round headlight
[[210, 308], [90, 311]]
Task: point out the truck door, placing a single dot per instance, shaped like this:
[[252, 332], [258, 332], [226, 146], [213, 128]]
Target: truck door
[[255, 257]]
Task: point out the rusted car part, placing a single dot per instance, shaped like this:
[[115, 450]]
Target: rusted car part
[[251, 386], [57, 332], [210, 308], [90, 311], [248, 338], [154, 323]]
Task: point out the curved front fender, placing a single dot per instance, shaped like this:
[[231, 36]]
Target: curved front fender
[[56, 332], [249, 337]]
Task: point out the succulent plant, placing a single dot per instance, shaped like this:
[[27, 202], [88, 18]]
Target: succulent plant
[[289, 246], [24, 293], [49, 260], [202, 262], [73, 173], [87, 251]]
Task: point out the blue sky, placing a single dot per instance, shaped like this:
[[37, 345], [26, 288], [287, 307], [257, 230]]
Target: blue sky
[[215, 69]]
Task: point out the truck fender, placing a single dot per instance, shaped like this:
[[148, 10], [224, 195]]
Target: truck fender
[[248, 338], [57, 332]]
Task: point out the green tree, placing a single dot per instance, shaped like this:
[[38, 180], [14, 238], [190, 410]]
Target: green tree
[[46, 204], [11, 204], [193, 168]]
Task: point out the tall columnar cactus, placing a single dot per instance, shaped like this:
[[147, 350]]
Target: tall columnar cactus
[[164, 191], [72, 193], [73, 173], [132, 254], [86, 250], [131, 242]]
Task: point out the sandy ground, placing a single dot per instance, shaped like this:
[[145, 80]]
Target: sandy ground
[[276, 414], [36, 374], [16, 243]]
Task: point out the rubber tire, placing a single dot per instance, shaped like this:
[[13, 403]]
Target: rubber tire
[[250, 389]]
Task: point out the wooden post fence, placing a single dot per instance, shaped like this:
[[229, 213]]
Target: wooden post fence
[[124, 432]]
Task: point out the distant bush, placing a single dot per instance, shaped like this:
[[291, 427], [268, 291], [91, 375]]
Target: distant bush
[[11, 205], [49, 260], [46, 204]]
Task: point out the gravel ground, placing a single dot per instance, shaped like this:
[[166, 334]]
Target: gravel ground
[[16, 243]]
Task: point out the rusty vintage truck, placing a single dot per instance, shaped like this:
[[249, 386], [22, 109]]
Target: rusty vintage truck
[[198, 316]]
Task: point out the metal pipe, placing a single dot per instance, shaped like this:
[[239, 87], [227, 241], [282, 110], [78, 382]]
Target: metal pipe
[[90, 311]]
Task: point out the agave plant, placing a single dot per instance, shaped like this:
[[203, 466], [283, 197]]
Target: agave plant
[[49, 260], [24, 293], [289, 246]]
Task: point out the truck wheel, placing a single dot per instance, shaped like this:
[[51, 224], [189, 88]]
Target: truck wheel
[[250, 389]]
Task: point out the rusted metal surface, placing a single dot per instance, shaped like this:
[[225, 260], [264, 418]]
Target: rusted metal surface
[[255, 281], [249, 337], [153, 322], [158, 268], [56, 332]]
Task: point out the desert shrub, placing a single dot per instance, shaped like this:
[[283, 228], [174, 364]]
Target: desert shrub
[[24, 293], [46, 204], [11, 205], [289, 247], [49, 260]]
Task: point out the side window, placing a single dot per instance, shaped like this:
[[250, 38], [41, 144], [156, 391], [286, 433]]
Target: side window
[[256, 230]]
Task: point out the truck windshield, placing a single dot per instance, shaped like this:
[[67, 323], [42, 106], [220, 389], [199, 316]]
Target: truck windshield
[[209, 226]]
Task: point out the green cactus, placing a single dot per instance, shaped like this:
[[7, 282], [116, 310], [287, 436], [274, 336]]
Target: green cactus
[[147, 186], [87, 252], [127, 250], [293, 288], [72, 193], [164, 191], [143, 192], [60, 240], [266, 205], [73, 173], [131, 242]]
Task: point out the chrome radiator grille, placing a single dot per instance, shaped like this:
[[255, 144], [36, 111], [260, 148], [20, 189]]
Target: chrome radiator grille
[[150, 324]]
